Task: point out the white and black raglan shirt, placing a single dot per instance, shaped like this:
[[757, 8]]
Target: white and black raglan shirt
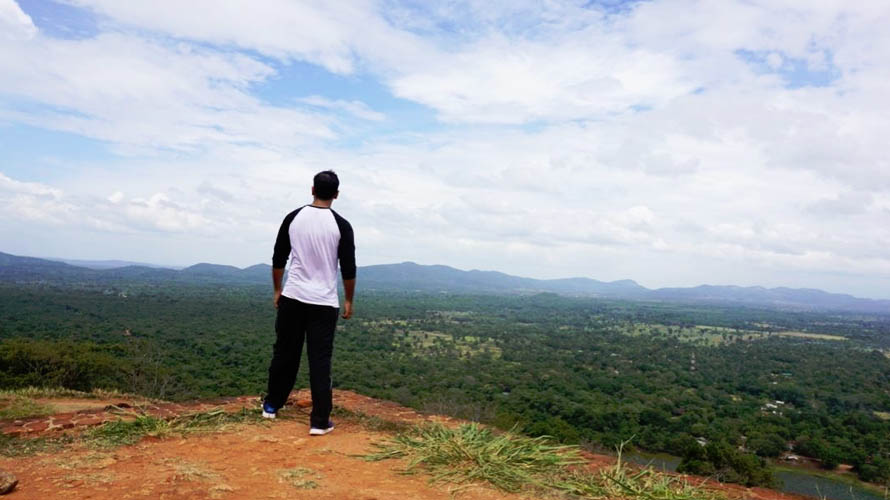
[[314, 239]]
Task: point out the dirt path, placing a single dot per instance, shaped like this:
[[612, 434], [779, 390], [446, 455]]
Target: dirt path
[[275, 459]]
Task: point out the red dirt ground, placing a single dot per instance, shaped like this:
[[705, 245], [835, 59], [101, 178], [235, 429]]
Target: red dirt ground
[[277, 460]]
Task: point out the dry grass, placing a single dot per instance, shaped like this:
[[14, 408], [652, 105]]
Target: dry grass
[[190, 471], [622, 482], [469, 456], [300, 478], [15, 407], [61, 392]]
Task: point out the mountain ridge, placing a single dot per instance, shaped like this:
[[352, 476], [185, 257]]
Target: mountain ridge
[[411, 276]]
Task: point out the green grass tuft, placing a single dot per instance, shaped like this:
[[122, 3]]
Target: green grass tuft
[[14, 407], [471, 455], [215, 420], [621, 481], [125, 432], [61, 392], [22, 447]]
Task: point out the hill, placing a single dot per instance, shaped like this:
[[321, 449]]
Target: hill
[[108, 445], [109, 264], [409, 276]]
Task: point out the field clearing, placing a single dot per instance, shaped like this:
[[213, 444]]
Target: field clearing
[[808, 335], [450, 315], [883, 415], [698, 334], [379, 323], [425, 340], [717, 335]]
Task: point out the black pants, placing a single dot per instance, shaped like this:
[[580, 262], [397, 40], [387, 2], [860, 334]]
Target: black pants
[[297, 321]]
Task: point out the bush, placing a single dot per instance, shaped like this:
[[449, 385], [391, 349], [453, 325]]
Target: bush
[[725, 463], [81, 366], [767, 445]]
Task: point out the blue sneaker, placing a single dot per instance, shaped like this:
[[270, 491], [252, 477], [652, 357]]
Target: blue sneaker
[[268, 410], [316, 431]]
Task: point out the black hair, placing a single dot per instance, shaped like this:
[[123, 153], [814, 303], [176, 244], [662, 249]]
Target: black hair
[[326, 185]]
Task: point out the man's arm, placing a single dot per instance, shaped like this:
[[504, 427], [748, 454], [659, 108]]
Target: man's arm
[[349, 288], [346, 256], [277, 275], [281, 254]]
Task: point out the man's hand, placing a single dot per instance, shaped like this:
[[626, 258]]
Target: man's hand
[[349, 288], [277, 276]]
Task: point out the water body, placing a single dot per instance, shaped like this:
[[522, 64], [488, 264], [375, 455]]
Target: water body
[[822, 487], [799, 482], [658, 461]]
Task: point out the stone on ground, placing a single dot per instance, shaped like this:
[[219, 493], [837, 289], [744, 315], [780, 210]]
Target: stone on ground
[[8, 481]]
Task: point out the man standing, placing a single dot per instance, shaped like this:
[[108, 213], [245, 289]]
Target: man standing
[[315, 238]]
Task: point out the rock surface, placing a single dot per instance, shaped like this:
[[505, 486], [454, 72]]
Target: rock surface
[[8, 481]]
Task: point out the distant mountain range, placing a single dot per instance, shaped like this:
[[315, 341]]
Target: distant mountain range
[[109, 264], [409, 276]]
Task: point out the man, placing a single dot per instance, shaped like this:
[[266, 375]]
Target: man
[[315, 238]]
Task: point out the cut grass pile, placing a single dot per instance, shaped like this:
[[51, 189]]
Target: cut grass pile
[[131, 430], [15, 407], [621, 481], [22, 403], [125, 432], [470, 455], [61, 392], [22, 447]]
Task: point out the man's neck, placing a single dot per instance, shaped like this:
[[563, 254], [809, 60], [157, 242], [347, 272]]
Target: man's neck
[[322, 203]]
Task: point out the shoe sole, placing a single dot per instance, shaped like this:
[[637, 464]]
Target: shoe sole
[[268, 415], [320, 432]]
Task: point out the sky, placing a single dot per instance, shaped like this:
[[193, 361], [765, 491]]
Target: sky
[[673, 142]]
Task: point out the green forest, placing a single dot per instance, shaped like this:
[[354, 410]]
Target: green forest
[[728, 389]]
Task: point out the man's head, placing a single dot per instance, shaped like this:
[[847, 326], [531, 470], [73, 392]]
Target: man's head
[[325, 185]]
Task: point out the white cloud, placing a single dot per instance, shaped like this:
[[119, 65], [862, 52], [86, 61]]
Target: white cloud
[[32, 201], [637, 144], [14, 23], [147, 94], [335, 35], [505, 81], [355, 108]]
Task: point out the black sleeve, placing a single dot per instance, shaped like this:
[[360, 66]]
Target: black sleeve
[[346, 249], [282, 243]]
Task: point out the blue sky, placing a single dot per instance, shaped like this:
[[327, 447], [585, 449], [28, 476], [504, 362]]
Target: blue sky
[[672, 142]]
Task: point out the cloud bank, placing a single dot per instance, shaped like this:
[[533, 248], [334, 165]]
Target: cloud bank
[[672, 142]]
